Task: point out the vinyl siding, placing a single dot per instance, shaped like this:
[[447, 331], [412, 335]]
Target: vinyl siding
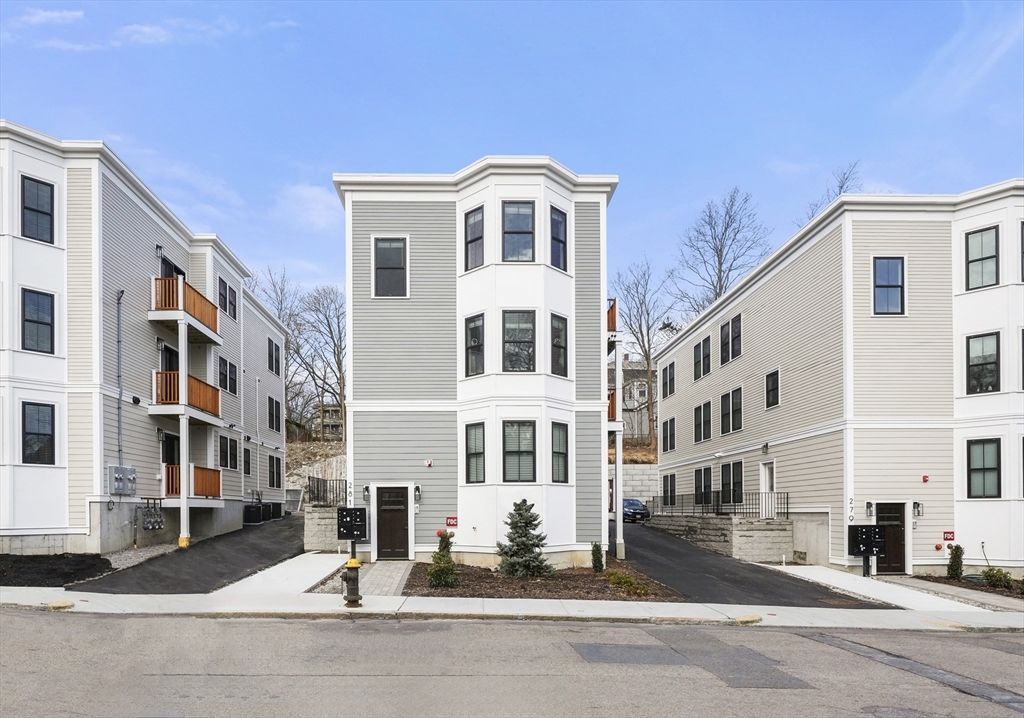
[[383, 330], [888, 466], [81, 471], [903, 366], [589, 488], [590, 304], [81, 281], [197, 275], [230, 331], [230, 479], [390, 447], [141, 445], [792, 322]]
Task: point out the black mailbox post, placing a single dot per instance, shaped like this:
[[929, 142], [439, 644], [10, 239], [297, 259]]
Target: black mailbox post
[[866, 541], [351, 525]]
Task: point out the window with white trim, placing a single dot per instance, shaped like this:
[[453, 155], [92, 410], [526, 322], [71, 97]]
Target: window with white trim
[[702, 486], [983, 469], [983, 363], [668, 380], [36, 210], [273, 356], [475, 345], [888, 285], [732, 483], [702, 358], [390, 267], [702, 422], [517, 231], [475, 453], [668, 434], [559, 346], [519, 455], [559, 453], [668, 490], [730, 340], [37, 320], [771, 389], [732, 411], [518, 340], [38, 434], [474, 238], [982, 258], [273, 414], [559, 244]]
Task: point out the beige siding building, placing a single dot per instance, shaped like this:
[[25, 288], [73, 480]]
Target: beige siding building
[[867, 372], [129, 346]]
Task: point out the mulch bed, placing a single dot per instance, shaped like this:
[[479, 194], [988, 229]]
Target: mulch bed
[[1017, 592], [52, 570], [573, 583]]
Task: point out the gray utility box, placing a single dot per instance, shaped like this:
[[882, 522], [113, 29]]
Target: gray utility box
[[121, 481]]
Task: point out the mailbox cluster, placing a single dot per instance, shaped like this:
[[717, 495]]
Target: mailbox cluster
[[351, 524], [867, 540]]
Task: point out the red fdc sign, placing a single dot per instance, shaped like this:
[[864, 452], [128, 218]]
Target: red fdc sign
[[452, 521], [948, 536]]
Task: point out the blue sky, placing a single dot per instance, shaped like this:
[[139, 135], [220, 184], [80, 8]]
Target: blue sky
[[236, 114]]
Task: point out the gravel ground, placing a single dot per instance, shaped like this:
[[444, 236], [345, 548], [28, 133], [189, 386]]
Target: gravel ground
[[132, 556]]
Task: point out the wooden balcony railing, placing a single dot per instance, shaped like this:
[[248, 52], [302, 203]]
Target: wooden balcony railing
[[201, 395], [166, 296], [172, 480], [206, 482], [611, 405], [613, 315]]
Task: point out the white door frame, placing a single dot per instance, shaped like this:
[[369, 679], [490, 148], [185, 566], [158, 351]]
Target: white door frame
[[767, 511], [410, 501]]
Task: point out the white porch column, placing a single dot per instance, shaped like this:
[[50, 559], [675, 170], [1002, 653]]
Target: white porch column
[[185, 448], [620, 543]]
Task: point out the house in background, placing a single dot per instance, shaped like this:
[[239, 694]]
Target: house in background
[[870, 371], [636, 405], [329, 425], [477, 342], [126, 340]]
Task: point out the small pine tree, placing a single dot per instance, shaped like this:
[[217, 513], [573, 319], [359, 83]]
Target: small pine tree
[[596, 557], [522, 555], [442, 572], [955, 569]]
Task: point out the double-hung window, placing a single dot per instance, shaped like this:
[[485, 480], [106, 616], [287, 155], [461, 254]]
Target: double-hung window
[[983, 258], [559, 453], [702, 422], [983, 363], [475, 345], [732, 411], [273, 414], [227, 376], [474, 238], [668, 490], [702, 486], [38, 434], [518, 340], [559, 345], [232, 378], [732, 483], [474, 453], [668, 380], [983, 469], [730, 340], [232, 303], [517, 231], [247, 461], [701, 358], [273, 356], [228, 453], [36, 210], [519, 451], [36, 321], [274, 472], [668, 434], [222, 294], [888, 285], [771, 389], [390, 265], [559, 245]]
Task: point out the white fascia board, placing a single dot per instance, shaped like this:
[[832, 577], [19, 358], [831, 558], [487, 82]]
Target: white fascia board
[[263, 311], [214, 241]]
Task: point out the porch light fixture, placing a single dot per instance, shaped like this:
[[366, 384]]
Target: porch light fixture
[[366, 494], [869, 508], [160, 251], [159, 434], [764, 448], [416, 492], [918, 509]]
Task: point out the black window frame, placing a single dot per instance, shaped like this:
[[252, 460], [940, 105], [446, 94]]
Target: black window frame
[[233, 454], [702, 358], [232, 379], [968, 261], [557, 350], [222, 294], [971, 366], [671, 378], [232, 302], [482, 453], [730, 340], [668, 434], [275, 469], [563, 241], [377, 268], [247, 461], [475, 241], [222, 373], [273, 356], [474, 349], [559, 458], [25, 179], [998, 469], [505, 342], [731, 411], [768, 404], [731, 491], [702, 422], [25, 321], [28, 455], [668, 490], [222, 453], [505, 452], [273, 414], [702, 486], [875, 286], [532, 233]]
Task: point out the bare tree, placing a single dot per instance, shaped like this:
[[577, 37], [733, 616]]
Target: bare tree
[[322, 353], [844, 181], [725, 242], [644, 310]]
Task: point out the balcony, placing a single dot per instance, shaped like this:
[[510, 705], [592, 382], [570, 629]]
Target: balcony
[[175, 299], [201, 396], [205, 482], [611, 405], [613, 315]]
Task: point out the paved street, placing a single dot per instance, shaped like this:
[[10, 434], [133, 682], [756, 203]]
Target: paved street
[[55, 664], [708, 577]]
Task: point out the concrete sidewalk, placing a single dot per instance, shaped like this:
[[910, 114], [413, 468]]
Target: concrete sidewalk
[[982, 599]]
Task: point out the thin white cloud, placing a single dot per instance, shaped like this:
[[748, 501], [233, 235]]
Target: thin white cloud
[[34, 16], [314, 206], [57, 44], [144, 34]]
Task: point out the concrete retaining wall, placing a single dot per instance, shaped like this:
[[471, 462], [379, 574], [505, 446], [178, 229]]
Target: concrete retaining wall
[[321, 530], [639, 481], [742, 537]]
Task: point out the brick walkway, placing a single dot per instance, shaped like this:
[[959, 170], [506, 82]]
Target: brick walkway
[[384, 578]]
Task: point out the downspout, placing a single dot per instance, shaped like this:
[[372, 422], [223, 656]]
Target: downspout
[[120, 383], [259, 441]]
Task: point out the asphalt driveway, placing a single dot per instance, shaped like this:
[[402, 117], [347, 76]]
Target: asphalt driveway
[[707, 577], [208, 565]]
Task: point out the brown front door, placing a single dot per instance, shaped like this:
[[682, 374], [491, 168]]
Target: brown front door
[[891, 517], [392, 523]]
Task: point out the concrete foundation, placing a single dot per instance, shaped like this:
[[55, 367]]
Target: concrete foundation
[[746, 538], [810, 538]]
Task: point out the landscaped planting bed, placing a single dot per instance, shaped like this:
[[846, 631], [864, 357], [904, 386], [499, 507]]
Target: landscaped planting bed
[[1017, 592], [52, 570], [618, 583]]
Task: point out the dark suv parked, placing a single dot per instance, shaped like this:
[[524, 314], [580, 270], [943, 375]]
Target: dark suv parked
[[634, 510]]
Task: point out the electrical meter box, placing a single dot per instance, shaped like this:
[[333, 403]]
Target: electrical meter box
[[121, 481]]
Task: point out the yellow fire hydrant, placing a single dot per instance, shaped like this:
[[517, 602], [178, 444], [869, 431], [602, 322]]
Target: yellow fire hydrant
[[351, 578]]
